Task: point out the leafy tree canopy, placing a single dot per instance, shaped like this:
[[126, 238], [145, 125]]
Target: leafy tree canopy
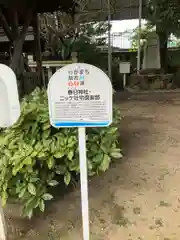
[[16, 13], [67, 36], [143, 34], [165, 15]]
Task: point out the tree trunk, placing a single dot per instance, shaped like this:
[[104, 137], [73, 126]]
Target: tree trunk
[[163, 48], [19, 42], [16, 57], [38, 48]]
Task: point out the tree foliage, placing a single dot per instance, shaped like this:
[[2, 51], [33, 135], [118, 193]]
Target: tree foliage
[[21, 13], [162, 16], [165, 15], [91, 37], [143, 35], [63, 33], [64, 36]]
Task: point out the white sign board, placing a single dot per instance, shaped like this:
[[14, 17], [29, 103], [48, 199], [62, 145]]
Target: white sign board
[[9, 99], [9, 114], [124, 67], [80, 95]]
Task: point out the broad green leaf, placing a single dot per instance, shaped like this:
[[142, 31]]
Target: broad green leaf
[[2, 141], [34, 128], [12, 144], [32, 142], [5, 186], [53, 147], [34, 179], [53, 183], [47, 142], [41, 155], [28, 149], [112, 130], [42, 205], [4, 198], [70, 155], [104, 148], [50, 162], [105, 163], [27, 161], [47, 197], [22, 192], [46, 133], [17, 168], [67, 178], [8, 153], [74, 166], [90, 165], [94, 147], [72, 141], [46, 125], [34, 153], [29, 168], [38, 146], [59, 154], [116, 154], [32, 189], [98, 158]]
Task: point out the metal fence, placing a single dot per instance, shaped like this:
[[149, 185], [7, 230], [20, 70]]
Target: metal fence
[[122, 40]]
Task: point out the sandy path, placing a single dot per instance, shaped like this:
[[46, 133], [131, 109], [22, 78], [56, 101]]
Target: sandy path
[[139, 197]]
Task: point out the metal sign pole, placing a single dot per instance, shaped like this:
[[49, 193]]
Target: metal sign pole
[[124, 80], [109, 42], [139, 38], [84, 182]]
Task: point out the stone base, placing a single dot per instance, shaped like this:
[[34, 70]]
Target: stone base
[[151, 81]]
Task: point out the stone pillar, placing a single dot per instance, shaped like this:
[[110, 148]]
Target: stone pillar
[[151, 57]]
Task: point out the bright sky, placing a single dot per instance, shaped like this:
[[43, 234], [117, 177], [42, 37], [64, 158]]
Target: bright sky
[[123, 41], [121, 26]]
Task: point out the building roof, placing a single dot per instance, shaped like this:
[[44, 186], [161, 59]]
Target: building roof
[[120, 9]]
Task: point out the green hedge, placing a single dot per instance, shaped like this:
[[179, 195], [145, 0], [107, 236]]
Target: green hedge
[[34, 155]]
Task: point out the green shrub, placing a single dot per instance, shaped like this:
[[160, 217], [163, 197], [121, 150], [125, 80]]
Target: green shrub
[[34, 155]]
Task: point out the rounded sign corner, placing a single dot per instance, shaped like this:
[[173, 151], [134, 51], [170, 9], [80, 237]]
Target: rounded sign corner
[[9, 98], [109, 123]]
